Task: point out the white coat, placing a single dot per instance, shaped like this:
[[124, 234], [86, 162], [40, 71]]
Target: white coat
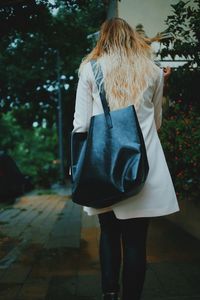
[[157, 197]]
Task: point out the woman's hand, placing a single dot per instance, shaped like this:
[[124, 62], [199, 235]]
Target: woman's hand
[[167, 72]]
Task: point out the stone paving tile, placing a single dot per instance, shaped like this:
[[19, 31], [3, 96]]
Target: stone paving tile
[[61, 287], [2, 272], [40, 226], [72, 297], [152, 286], [67, 228], [44, 228], [33, 290], [168, 242], [8, 213], [9, 291], [170, 298], [64, 263], [172, 281], [24, 222], [191, 272], [16, 273], [169, 281], [89, 285]]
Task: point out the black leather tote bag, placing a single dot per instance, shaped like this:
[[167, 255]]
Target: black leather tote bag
[[109, 162]]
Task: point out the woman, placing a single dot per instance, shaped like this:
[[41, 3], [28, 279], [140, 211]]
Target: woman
[[130, 77]]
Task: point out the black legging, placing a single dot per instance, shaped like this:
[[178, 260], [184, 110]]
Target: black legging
[[131, 233]]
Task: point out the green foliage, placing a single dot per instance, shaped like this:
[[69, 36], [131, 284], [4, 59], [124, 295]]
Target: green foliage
[[180, 135], [180, 131], [32, 35], [34, 150], [30, 38], [184, 23]]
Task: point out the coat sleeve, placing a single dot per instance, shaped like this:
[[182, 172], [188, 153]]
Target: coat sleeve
[[83, 105], [158, 100]]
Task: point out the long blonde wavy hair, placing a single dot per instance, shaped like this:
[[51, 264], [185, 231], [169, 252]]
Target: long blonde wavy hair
[[126, 61]]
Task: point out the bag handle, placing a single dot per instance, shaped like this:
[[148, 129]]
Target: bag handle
[[98, 74]]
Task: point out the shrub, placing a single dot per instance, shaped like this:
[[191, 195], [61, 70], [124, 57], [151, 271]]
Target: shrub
[[34, 150], [180, 135]]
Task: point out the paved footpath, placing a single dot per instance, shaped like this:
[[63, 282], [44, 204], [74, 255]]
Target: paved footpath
[[49, 251]]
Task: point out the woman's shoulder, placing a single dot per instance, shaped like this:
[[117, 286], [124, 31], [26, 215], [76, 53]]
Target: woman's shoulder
[[85, 70]]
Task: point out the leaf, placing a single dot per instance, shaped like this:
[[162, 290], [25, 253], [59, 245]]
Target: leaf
[[179, 6]]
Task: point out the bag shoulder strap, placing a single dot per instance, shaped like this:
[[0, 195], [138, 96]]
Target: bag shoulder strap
[[98, 75]]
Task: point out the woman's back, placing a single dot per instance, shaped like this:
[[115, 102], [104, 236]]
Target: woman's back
[[130, 78]]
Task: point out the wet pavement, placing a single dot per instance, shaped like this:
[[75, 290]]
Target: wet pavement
[[49, 250]]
